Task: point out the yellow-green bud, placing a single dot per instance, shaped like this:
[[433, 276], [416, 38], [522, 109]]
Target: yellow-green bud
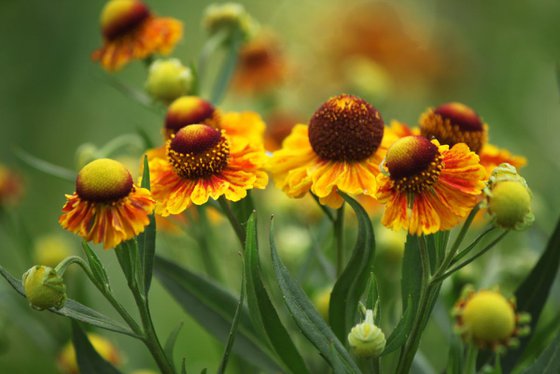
[[168, 80], [44, 288], [366, 339], [510, 204], [229, 17]]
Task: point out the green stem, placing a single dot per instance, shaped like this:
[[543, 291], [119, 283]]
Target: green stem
[[413, 341], [207, 50], [151, 339], [226, 209], [466, 262], [206, 252], [339, 238], [325, 210], [61, 268], [227, 70], [472, 353]]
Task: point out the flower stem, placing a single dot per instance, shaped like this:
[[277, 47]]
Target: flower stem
[[411, 346], [206, 252], [472, 353], [226, 209], [339, 238]]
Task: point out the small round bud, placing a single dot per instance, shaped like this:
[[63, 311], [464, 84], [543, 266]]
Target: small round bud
[[509, 199], [229, 17], [168, 80], [44, 288], [366, 339]]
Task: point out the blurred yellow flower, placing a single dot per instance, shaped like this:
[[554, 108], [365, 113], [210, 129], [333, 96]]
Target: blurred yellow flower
[[67, 358]]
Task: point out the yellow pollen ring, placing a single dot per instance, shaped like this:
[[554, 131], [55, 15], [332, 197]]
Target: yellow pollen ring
[[423, 180]]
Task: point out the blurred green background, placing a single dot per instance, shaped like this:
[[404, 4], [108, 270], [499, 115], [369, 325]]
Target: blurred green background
[[499, 57]]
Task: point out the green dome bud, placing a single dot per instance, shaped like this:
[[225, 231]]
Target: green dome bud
[[229, 17], [366, 339], [168, 80], [44, 288]]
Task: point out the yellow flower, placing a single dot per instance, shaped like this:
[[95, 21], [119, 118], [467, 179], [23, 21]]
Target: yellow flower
[[341, 149], [67, 357], [427, 187], [453, 123], [487, 319], [203, 162], [106, 207], [131, 31]]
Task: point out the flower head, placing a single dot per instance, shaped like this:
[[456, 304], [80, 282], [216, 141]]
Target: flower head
[[44, 288], [487, 319], [340, 149], [229, 18], [261, 66], [189, 110], [454, 123], [204, 162], [509, 199], [168, 80], [106, 207], [427, 187], [366, 339], [67, 358], [130, 31]]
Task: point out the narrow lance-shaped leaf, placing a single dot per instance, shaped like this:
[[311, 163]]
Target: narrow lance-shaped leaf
[[402, 330], [89, 361], [97, 268], [147, 240], [75, 310], [170, 344], [411, 273], [548, 362], [309, 321], [263, 314], [127, 254], [532, 294], [233, 330], [352, 282], [213, 308]]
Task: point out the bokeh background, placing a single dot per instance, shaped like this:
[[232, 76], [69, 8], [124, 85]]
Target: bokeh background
[[499, 57]]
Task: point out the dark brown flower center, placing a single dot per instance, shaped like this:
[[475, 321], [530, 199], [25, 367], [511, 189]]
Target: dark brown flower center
[[454, 123], [345, 128], [120, 17], [188, 110], [414, 163], [198, 151], [103, 181]]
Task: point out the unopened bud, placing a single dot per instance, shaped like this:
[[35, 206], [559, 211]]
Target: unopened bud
[[44, 288], [168, 80], [230, 18], [366, 339]]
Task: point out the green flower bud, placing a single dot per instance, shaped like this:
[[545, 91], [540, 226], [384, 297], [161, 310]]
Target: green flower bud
[[44, 288], [366, 339], [168, 80], [229, 17], [509, 199]]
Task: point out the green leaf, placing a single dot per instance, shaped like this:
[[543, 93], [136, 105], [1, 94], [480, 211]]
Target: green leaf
[[402, 330], [372, 300], [75, 310], [89, 361], [170, 344], [263, 314], [548, 362], [213, 308], [532, 294], [411, 279], [243, 208], [127, 254], [45, 166], [309, 321], [97, 268], [352, 282], [147, 240], [233, 330]]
